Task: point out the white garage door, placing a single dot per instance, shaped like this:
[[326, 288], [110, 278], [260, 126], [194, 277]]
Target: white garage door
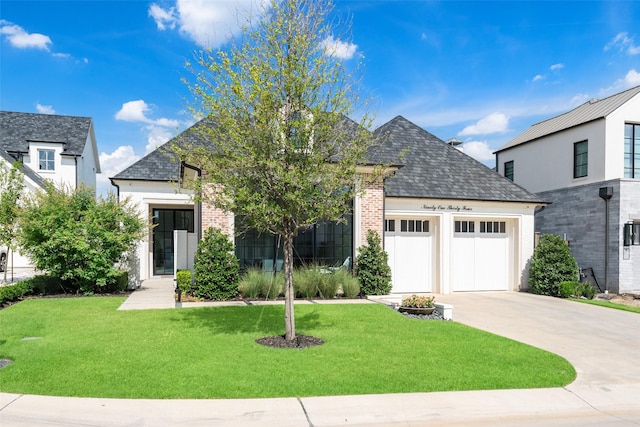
[[409, 243], [481, 255]]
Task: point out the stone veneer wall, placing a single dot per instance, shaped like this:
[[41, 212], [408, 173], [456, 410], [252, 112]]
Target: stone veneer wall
[[580, 213], [371, 211], [629, 212]]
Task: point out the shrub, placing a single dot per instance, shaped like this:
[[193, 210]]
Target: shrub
[[566, 289], [372, 268], [77, 237], [216, 267], [255, 283], [15, 292], [552, 264], [344, 280], [48, 285], [307, 281], [183, 281], [586, 290]]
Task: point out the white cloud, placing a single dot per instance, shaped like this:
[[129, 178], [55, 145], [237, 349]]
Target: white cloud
[[113, 163], [136, 111], [339, 49], [164, 18], [45, 109], [555, 67], [623, 42], [479, 150], [208, 23], [61, 55], [578, 99], [538, 77], [157, 136], [19, 38], [632, 78], [493, 123]]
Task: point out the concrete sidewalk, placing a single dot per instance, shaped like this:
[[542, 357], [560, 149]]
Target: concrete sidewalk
[[602, 344]]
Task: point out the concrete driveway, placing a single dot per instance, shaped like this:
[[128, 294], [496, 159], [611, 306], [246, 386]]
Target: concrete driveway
[[601, 343]]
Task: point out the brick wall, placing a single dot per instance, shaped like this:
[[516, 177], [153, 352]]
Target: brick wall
[[371, 210]]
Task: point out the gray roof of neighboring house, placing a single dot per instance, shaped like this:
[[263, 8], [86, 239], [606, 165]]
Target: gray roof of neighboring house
[[17, 129], [437, 170], [587, 112]]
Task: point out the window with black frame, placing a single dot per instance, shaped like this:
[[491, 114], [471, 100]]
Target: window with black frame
[[580, 159]]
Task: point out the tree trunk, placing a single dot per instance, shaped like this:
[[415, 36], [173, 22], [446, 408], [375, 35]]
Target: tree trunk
[[289, 319]]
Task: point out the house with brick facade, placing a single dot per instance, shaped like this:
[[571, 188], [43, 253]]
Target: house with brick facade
[[448, 222], [586, 163]]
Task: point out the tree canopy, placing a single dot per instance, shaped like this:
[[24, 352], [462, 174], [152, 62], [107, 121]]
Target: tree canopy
[[280, 150]]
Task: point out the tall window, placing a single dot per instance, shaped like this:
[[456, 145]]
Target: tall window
[[46, 160], [580, 159], [631, 151], [508, 170]]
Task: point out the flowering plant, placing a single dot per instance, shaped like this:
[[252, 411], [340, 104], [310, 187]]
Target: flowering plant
[[418, 301]]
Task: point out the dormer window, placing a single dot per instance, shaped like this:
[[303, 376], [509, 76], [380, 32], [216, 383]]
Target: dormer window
[[46, 160]]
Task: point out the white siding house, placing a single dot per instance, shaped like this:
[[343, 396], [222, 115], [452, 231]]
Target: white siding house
[[586, 162], [60, 149]]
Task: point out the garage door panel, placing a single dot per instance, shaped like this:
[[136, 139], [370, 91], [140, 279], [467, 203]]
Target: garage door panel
[[481, 257], [410, 257]]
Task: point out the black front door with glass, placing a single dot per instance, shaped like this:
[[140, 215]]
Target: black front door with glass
[[165, 222]]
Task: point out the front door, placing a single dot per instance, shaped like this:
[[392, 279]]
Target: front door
[[166, 221]]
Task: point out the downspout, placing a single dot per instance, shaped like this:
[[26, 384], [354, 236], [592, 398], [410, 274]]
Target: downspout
[[606, 193]]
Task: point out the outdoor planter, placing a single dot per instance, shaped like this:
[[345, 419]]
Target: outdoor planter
[[416, 310], [418, 305]]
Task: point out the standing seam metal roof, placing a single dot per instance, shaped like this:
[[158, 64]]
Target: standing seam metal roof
[[587, 112]]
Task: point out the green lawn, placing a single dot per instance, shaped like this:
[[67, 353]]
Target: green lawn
[[87, 348], [608, 304]]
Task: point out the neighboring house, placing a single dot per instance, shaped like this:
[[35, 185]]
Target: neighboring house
[[449, 223], [586, 162], [60, 149]]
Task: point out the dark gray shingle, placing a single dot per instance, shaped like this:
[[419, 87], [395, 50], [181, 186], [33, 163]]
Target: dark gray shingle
[[17, 129], [435, 169]]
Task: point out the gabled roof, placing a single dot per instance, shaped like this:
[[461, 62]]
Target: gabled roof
[[28, 172], [434, 169], [589, 111], [162, 164], [18, 129]]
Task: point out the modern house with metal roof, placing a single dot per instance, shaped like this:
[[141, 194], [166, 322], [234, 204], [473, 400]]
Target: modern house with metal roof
[[60, 149], [586, 162], [448, 222]]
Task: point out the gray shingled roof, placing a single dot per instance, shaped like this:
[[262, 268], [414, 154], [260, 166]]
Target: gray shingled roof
[[17, 129], [585, 113], [432, 168], [437, 170], [162, 164]]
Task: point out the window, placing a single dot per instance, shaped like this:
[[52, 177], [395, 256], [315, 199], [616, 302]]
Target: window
[[631, 151], [493, 227], [414, 226], [508, 170], [390, 225], [580, 159], [46, 160], [464, 227]]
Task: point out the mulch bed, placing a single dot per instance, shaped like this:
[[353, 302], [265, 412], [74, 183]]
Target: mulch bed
[[300, 341]]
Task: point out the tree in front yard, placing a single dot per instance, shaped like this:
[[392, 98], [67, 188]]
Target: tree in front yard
[[11, 185], [77, 237], [281, 153]]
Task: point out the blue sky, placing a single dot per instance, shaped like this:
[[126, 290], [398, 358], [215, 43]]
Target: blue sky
[[479, 71]]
